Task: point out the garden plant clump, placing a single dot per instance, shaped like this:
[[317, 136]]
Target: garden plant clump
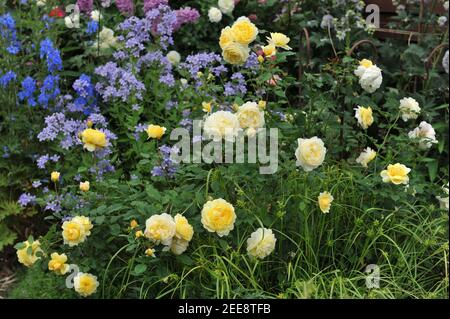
[[223, 149]]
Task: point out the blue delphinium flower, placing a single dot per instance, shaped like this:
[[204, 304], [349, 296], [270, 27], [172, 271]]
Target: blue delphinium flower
[[6, 78], [49, 90], [51, 54], [9, 34], [85, 101], [92, 27], [28, 89]]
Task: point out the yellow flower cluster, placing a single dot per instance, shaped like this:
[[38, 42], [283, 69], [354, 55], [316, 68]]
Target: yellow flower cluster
[[173, 232], [234, 41]]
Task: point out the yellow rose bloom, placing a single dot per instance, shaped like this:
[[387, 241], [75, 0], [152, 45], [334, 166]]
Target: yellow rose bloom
[[84, 186], [364, 115], [244, 31], [155, 131], [366, 157], [183, 229], [218, 216], [325, 200], [160, 229], [54, 176], [279, 40], [226, 37], [365, 63], [396, 174], [235, 53], [269, 50], [73, 232], [85, 222], [27, 256], [150, 252], [93, 139], [58, 263], [85, 284]]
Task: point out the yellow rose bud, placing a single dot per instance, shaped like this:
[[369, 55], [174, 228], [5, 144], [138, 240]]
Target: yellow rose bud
[[93, 139], [260, 59], [207, 107], [396, 174], [58, 263], [89, 123], [54, 176], [139, 234], [134, 224], [199, 74], [150, 252], [84, 186], [325, 200], [262, 104], [155, 131], [269, 50]]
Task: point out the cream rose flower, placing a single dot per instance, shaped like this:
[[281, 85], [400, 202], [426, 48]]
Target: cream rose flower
[[370, 76], [218, 216], [409, 109], [222, 125], [28, 255], [396, 174], [226, 6], [244, 31], [279, 40], [174, 57], [310, 153], [85, 222], [235, 53], [324, 201], [425, 135], [96, 15], [250, 117], [160, 229], [106, 39], [85, 284], [179, 246], [261, 243], [366, 157], [214, 15], [364, 115]]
